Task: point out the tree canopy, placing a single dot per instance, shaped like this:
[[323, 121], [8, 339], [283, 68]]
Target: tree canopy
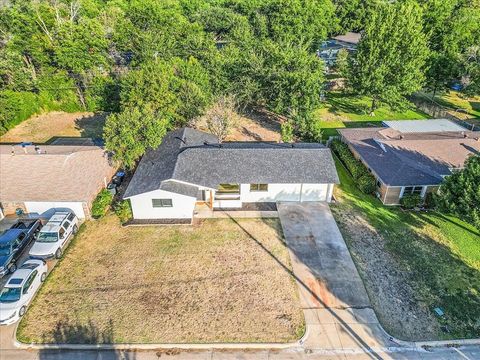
[[390, 58], [460, 192], [173, 59]]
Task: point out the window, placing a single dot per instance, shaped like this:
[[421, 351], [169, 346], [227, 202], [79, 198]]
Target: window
[[156, 203], [258, 187], [70, 217], [61, 232], [228, 189], [65, 225], [412, 190], [29, 281]]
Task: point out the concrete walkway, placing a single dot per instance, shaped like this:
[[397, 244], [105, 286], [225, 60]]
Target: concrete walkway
[[334, 300]]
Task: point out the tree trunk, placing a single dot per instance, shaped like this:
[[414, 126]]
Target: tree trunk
[[80, 90], [434, 91], [30, 66], [373, 107]]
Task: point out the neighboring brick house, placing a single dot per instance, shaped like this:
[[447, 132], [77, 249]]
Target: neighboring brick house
[[39, 179], [411, 156]]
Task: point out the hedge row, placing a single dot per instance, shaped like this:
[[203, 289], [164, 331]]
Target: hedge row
[[55, 92], [17, 106], [364, 180]]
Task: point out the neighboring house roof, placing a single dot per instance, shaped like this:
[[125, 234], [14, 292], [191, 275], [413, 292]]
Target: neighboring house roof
[[58, 173], [349, 37], [421, 126], [406, 159], [196, 158]]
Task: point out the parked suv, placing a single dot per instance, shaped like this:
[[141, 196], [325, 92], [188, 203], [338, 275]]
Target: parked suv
[[14, 241], [54, 235]]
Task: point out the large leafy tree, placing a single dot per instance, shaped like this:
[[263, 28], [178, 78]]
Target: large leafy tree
[[177, 90], [130, 133], [460, 193], [351, 14], [452, 28], [389, 62]]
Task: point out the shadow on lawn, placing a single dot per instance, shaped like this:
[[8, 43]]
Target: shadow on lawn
[[345, 326], [439, 277], [445, 218], [346, 104], [66, 332]]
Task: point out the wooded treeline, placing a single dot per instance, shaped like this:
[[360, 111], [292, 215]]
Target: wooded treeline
[[157, 64]]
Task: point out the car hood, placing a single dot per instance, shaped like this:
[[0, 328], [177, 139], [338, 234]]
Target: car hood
[[3, 260], [43, 248], [6, 309]]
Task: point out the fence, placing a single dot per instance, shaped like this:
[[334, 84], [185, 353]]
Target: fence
[[437, 111]]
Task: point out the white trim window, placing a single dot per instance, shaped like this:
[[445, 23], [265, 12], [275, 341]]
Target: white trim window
[[258, 187], [407, 190], [158, 203]]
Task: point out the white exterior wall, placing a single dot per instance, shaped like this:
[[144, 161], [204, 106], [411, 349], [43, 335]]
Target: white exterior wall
[[142, 207], [46, 208], [287, 192]]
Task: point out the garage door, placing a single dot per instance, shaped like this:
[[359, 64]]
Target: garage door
[[48, 208]]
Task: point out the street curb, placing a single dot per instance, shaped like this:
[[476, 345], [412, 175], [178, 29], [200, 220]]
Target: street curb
[[182, 346]]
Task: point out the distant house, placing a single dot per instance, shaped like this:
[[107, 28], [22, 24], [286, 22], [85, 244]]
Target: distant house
[[191, 167], [39, 179], [329, 49], [411, 156]]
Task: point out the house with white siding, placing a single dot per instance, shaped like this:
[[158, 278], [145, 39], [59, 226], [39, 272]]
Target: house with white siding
[[192, 168]]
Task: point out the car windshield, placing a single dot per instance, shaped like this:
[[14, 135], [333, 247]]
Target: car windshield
[[10, 294], [5, 249], [47, 237]]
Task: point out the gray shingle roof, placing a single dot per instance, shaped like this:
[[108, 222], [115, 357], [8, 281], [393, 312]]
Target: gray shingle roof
[[413, 158], [211, 164]]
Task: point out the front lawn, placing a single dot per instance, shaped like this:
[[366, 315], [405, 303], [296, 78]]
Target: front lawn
[[343, 110], [206, 283], [412, 263]]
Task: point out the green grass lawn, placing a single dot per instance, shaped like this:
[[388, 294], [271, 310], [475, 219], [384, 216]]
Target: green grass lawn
[[343, 110], [441, 253], [455, 100]]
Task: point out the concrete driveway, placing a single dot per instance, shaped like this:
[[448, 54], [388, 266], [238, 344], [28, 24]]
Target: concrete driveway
[[334, 300]]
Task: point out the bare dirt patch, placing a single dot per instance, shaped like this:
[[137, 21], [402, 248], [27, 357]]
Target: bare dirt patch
[[256, 125], [167, 284], [396, 303], [43, 128]]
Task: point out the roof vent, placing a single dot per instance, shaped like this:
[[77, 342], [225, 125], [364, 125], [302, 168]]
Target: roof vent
[[381, 144]]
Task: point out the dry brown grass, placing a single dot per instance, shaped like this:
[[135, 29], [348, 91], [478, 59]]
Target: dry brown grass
[[258, 125], [207, 283], [44, 127]]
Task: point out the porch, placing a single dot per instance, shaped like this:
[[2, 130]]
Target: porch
[[246, 210]]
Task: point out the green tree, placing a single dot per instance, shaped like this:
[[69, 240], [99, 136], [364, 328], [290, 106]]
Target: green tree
[[177, 90], [460, 192], [351, 14], [309, 21], [130, 133], [452, 28], [389, 62], [470, 64]]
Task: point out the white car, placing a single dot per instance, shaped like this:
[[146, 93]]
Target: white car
[[20, 290], [54, 235]]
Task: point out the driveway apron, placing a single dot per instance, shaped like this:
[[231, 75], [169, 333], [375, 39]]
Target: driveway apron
[[336, 306]]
